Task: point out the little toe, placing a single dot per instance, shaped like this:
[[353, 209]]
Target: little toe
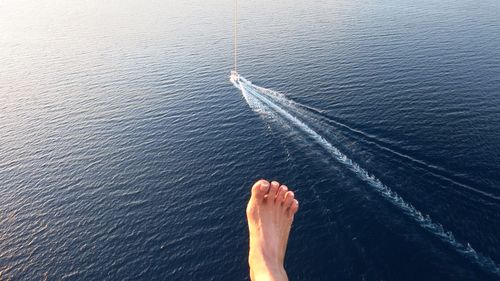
[[295, 207], [260, 189]]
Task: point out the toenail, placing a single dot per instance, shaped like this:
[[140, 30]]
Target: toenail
[[264, 186]]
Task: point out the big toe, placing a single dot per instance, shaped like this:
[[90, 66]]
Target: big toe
[[260, 189]]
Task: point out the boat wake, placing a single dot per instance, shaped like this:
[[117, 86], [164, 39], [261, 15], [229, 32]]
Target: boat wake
[[274, 104]]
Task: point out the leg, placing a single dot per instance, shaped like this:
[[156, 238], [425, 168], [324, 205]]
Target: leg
[[270, 214]]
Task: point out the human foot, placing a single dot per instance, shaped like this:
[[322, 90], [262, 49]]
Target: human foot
[[270, 214]]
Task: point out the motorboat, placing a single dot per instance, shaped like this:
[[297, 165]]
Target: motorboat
[[235, 79]]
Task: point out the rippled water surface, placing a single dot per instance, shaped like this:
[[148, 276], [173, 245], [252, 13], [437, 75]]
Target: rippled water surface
[[126, 153]]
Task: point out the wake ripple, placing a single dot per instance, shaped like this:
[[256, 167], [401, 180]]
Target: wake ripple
[[320, 116], [259, 101]]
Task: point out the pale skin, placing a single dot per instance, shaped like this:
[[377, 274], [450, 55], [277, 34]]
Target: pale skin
[[270, 213]]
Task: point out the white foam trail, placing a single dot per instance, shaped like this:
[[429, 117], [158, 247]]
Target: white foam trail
[[318, 115], [261, 104]]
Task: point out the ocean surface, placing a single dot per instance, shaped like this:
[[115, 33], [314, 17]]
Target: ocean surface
[[126, 153]]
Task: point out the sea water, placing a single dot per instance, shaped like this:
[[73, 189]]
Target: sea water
[[126, 154]]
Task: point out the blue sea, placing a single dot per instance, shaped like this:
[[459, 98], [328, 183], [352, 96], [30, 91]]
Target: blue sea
[[127, 154]]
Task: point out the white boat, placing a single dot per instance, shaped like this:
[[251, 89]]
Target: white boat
[[235, 79]]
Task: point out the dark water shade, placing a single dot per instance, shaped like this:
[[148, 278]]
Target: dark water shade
[[125, 153]]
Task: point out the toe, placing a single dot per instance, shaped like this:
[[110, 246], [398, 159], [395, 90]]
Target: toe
[[259, 189], [280, 198], [295, 207], [289, 197], [274, 190]]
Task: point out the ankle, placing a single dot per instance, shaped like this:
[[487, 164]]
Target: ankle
[[268, 274], [262, 269]]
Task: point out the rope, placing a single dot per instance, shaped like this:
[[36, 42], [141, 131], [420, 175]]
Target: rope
[[235, 33]]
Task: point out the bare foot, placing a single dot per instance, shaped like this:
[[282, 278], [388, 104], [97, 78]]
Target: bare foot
[[270, 214]]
